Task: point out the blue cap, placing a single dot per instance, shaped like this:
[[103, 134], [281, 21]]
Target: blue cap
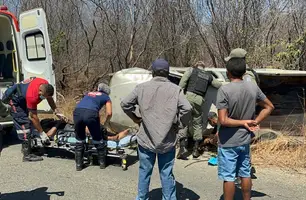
[[160, 64]]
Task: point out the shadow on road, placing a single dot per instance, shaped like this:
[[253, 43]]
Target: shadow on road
[[238, 194], [37, 194], [181, 193], [8, 138]]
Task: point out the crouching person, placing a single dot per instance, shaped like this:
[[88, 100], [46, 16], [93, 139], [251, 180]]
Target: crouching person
[[85, 114], [163, 108]]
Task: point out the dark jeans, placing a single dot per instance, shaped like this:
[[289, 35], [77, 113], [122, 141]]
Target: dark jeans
[[165, 165], [84, 117], [20, 115]]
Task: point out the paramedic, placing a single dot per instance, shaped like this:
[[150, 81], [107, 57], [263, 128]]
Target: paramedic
[[163, 108], [195, 82], [23, 98], [85, 114]]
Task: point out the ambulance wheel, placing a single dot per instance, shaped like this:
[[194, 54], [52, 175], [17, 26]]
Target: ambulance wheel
[[124, 164]]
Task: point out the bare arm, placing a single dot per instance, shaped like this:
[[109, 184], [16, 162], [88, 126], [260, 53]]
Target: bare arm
[[55, 110], [108, 112], [222, 105], [224, 120], [35, 120], [128, 105], [268, 107], [229, 122], [264, 103], [51, 103]]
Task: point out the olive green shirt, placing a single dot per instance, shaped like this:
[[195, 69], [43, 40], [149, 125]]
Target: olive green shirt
[[184, 80], [249, 76]]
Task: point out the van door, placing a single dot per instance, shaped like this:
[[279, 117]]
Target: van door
[[35, 49]]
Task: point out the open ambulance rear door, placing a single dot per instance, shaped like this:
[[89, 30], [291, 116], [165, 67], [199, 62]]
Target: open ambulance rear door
[[35, 49]]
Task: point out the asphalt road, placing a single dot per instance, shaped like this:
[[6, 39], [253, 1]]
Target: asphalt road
[[56, 178]]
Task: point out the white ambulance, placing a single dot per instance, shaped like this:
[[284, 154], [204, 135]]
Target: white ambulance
[[25, 51]]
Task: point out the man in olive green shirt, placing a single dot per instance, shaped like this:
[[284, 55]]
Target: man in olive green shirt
[[195, 83]]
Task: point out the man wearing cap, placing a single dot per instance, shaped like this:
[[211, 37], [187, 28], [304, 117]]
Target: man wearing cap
[[195, 82], [86, 114], [250, 74], [163, 109]]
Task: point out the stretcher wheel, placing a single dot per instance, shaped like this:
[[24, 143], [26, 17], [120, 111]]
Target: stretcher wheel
[[124, 164]]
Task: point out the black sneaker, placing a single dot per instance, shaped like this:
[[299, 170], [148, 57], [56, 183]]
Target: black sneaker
[[32, 158], [182, 154]]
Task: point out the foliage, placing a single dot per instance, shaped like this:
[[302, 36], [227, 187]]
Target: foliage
[[91, 38]]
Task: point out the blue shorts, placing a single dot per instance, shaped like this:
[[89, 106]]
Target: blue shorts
[[234, 161]]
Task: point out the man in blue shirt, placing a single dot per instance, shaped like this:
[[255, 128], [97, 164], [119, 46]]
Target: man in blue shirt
[[86, 114]]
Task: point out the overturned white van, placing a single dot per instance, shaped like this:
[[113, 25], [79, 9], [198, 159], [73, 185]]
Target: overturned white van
[[25, 51], [124, 81], [285, 88]]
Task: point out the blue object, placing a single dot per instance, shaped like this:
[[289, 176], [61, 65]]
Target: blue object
[[213, 161], [233, 160], [160, 64], [124, 142], [112, 144], [83, 117], [165, 164], [93, 101]]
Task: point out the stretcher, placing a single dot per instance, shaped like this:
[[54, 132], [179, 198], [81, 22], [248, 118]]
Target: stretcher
[[65, 139]]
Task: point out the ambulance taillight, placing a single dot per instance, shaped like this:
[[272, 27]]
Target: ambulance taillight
[[4, 8]]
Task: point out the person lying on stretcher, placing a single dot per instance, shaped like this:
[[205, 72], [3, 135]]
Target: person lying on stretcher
[[111, 136], [50, 126]]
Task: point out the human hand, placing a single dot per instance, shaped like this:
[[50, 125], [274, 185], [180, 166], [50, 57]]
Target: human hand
[[62, 117], [44, 138], [251, 125]]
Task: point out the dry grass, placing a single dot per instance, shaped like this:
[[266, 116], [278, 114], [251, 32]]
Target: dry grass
[[67, 106], [284, 152]]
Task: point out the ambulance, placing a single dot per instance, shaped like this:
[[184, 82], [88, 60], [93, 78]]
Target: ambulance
[[25, 51]]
